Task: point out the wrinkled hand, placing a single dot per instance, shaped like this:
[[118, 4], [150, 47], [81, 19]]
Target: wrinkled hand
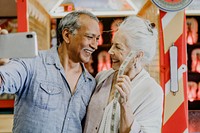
[[3, 60], [123, 86]]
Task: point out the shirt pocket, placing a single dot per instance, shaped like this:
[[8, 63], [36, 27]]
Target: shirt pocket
[[48, 96]]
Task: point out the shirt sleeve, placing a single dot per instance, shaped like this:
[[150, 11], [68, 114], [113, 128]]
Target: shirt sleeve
[[149, 118], [135, 128], [14, 75], [151, 123]]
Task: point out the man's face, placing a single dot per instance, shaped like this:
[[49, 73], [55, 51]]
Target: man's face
[[85, 40]]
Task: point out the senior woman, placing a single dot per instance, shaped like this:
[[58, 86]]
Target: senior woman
[[139, 108]]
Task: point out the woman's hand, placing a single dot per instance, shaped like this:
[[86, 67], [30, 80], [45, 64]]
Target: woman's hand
[[123, 86], [3, 61]]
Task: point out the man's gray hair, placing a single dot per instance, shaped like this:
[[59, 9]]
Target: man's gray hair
[[70, 22]]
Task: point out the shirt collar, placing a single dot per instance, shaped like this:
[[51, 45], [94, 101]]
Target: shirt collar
[[53, 58], [143, 74], [86, 74]]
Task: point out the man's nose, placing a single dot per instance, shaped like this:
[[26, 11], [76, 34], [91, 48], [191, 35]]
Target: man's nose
[[94, 44]]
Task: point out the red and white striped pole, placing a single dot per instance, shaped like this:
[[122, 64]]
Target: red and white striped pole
[[172, 31], [22, 15]]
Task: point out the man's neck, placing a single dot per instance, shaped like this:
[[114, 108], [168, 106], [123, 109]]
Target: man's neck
[[67, 63]]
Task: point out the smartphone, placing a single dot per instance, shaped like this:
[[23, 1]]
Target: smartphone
[[18, 45]]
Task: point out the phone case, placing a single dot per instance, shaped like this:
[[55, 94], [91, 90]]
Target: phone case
[[18, 45]]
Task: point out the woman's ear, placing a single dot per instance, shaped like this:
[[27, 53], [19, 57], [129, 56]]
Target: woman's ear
[[140, 54], [65, 35]]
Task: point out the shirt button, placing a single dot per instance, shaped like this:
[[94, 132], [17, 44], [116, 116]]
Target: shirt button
[[68, 119], [96, 128]]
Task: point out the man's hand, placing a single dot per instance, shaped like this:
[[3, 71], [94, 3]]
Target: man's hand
[[3, 31], [3, 60]]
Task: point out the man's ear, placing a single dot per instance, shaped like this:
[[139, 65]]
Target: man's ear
[[65, 35]]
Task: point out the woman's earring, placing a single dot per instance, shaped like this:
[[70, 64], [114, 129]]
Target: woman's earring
[[135, 65]]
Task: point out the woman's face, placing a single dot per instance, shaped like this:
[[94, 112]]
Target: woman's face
[[119, 49]]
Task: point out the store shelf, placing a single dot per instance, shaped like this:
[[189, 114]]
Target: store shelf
[[6, 103], [6, 123]]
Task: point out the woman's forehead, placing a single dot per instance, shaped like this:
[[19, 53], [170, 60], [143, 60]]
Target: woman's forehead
[[119, 37]]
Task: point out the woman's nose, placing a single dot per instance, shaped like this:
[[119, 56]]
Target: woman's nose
[[110, 51]]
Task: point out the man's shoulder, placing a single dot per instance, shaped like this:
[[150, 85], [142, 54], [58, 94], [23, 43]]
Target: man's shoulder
[[44, 52], [47, 54]]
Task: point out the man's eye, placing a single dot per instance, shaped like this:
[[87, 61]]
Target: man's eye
[[90, 37]]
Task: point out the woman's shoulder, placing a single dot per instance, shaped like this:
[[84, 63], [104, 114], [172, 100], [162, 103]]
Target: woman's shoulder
[[103, 74], [153, 86]]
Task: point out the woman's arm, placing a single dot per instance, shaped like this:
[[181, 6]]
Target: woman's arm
[[126, 116], [146, 120]]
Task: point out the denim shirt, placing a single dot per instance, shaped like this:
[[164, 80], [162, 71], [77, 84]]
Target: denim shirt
[[43, 101]]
